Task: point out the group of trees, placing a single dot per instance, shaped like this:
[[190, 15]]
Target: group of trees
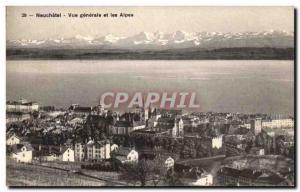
[[266, 142], [185, 147], [122, 140], [271, 145], [149, 172], [282, 149]]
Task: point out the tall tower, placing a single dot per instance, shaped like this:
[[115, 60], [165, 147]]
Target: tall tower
[[146, 114], [256, 125]]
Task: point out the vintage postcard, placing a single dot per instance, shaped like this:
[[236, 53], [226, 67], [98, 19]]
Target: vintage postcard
[[150, 96]]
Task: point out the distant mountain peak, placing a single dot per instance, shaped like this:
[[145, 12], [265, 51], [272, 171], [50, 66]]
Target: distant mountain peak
[[158, 40]]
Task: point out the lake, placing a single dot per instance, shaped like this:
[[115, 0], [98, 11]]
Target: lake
[[245, 86]]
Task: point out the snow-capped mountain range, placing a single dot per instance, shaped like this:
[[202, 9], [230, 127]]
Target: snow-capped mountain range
[[160, 40]]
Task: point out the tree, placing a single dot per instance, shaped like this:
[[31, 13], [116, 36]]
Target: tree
[[248, 147], [8, 150], [173, 178], [280, 144], [135, 172], [35, 114], [145, 172]]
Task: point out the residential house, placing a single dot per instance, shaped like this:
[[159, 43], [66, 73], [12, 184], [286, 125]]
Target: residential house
[[196, 176], [126, 155], [114, 147], [46, 152], [169, 163], [67, 154], [217, 142], [22, 153], [133, 156], [205, 179], [13, 140], [257, 151]]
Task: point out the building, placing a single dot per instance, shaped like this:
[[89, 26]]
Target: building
[[47, 153], [79, 110], [257, 151], [142, 112], [67, 154], [256, 125], [169, 163], [99, 110], [128, 123], [228, 176], [22, 153], [97, 150], [13, 140], [93, 150], [127, 155], [12, 117], [234, 147], [133, 156], [205, 179], [80, 151], [217, 142], [195, 176], [22, 105], [49, 157], [170, 112], [150, 132], [212, 145], [153, 117], [173, 124], [75, 121], [279, 123], [125, 128], [114, 147]]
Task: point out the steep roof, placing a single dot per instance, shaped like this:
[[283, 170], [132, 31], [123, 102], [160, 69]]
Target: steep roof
[[17, 148], [64, 149], [82, 109]]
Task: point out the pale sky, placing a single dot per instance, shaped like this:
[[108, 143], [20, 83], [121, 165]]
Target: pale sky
[[149, 19]]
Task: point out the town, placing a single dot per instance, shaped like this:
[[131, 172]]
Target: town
[[146, 146]]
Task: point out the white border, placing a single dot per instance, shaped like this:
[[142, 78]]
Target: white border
[[4, 3]]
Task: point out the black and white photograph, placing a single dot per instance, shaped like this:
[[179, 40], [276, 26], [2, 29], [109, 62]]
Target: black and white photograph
[[150, 96]]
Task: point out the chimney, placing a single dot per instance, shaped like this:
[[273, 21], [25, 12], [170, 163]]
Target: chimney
[[40, 147]]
